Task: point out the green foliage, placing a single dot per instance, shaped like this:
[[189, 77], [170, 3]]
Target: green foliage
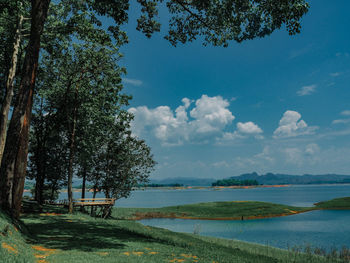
[[84, 105], [9, 17], [234, 182], [48, 193], [219, 22]]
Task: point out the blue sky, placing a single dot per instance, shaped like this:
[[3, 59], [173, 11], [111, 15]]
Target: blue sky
[[277, 104]]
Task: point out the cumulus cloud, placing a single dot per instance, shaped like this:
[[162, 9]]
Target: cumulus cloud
[[210, 114], [209, 117], [248, 128], [243, 131], [306, 90], [200, 121], [291, 125]]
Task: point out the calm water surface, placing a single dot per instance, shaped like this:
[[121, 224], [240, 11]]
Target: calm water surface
[[324, 229], [298, 195]]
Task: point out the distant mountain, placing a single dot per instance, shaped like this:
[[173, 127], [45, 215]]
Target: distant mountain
[[186, 181], [271, 179]]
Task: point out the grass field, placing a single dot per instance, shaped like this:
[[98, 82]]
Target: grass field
[[54, 236]]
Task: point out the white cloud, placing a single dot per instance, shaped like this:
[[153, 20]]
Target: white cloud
[[291, 125], [312, 149], [207, 119], [343, 121], [210, 114], [134, 82], [345, 113], [248, 128], [243, 131], [306, 90]]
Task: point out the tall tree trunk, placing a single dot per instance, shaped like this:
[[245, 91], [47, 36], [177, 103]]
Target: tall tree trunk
[[14, 160], [70, 167], [39, 187], [92, 212], [5, 108], [84, 183], [40, 157], [71, 152], [83, 187]]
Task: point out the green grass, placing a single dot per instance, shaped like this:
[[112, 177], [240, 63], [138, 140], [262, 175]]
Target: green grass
[[81, 238], [13, 247], [337, 203], [213, 210], [52, 236]]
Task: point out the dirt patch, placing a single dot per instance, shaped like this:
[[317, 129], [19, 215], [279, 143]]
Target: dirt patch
[[44, 249], [9, 248]]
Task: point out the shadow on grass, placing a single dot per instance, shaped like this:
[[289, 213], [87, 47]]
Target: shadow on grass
[[77, 233]]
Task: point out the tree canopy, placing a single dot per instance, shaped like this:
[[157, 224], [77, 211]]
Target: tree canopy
[[56, 26]]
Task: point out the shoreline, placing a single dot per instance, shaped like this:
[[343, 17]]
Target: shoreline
[[141, 216]]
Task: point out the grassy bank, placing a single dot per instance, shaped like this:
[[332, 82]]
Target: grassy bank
[[337, 203], [232, 210], [236, 210], [55, 236]]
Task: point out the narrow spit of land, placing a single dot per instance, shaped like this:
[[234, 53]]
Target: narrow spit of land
[[233, 210], [52, 235]]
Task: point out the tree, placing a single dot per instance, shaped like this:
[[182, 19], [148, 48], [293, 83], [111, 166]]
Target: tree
[[217, 22], [122, 161]]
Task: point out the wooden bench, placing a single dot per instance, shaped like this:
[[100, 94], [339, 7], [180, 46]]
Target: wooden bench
[[94, 202], [104, 204]]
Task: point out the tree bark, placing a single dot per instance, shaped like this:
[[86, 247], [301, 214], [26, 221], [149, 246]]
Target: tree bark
[[14, 162], [83, 187], [71, 152], [5, 108], [84, 184]]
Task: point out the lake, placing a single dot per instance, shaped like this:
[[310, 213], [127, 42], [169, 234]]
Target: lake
[[324, 229], [296, 195]]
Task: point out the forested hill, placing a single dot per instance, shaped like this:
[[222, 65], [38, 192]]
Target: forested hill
[[265, 179], [186, 181], [270, 178]]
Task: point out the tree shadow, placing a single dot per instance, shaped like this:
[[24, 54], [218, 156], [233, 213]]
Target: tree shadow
[[78, 233]]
